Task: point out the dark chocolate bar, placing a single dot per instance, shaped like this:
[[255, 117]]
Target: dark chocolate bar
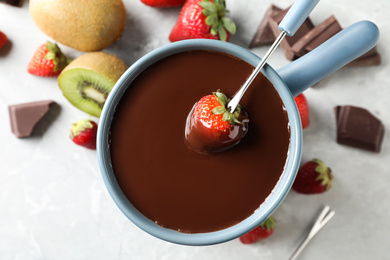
[[316, 36], [17, 3], [25, 117], [357, 127], [288, 41], [264, 34]]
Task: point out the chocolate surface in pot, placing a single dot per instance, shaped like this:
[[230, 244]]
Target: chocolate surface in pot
[[178, 188]]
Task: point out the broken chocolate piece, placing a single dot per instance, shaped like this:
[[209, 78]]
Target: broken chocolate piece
[[264, 34], [17, 3], [288, 41], [370, 58], [357, 127], [324, 32], [25, 117], [315, 37], [306, 39]]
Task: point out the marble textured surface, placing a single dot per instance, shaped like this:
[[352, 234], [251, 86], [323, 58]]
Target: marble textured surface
[[53, 202]]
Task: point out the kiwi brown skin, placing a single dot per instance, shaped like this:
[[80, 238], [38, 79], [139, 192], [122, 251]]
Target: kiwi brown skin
[[98, 71], [85, 25]]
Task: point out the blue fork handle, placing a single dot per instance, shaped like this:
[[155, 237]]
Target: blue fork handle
[[335, 53], [296, 15]]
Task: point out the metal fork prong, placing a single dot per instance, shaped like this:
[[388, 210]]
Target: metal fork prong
[[320, 222], [317, 224]]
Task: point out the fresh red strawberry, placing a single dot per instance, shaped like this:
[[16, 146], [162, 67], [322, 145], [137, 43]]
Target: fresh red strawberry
[[303, 108], [163, 3], [211, 127], [84, 133], [203, 19], [3, 39], [48, 61], [313, 178], [263, 231]]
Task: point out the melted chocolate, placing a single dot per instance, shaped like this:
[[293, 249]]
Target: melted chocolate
[[175, 186]]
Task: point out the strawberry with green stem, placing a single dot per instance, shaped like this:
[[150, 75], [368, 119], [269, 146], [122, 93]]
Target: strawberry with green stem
[[203, 19], [313, 177], [83, 133], [261, 232], [47, 61]]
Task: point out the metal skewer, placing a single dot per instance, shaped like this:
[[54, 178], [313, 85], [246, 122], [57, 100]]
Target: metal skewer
[[321, 221], [294, 18], [237, 97]]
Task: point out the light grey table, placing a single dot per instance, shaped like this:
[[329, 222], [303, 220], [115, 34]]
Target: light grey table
[[54, 205]]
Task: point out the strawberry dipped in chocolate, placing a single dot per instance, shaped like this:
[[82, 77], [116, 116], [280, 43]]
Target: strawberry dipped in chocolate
[[211, 127]]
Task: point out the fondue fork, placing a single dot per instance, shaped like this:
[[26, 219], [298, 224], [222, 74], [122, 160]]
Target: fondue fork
[[294, 18], [321, 221]]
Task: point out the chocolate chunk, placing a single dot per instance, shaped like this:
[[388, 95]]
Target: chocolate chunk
[[325, 31], [17, 3], [357, 127], [288, 41], [25, 118], [264, 34], [370, 58], [306, 39], [316, 36]]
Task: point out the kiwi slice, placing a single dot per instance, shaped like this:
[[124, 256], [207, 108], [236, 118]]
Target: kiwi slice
[[87, 80]]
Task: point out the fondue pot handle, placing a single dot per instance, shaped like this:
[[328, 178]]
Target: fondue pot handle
[[296, 15], [335, 53]]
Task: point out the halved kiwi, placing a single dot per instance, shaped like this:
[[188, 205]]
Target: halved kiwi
[[87, 80]]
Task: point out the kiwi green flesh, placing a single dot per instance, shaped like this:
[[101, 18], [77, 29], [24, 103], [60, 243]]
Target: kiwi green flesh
[[85, 89]]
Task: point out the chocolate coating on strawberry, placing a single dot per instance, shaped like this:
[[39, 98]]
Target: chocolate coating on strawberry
[[210, 127]]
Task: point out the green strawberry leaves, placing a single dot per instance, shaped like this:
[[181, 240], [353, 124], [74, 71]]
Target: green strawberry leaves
[[209, 7], [55, 54], [232, 118], [269, 223], [229, 25], [80, 126], [221, 98], [218, 110], [215, 17], [325, 175]]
